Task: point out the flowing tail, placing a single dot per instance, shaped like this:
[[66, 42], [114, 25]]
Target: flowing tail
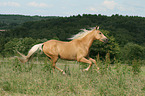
[[30, 54]]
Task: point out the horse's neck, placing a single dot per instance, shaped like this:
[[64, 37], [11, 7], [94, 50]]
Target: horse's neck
[[88, 40]]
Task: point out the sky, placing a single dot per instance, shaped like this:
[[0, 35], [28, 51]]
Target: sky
[[73, 7]]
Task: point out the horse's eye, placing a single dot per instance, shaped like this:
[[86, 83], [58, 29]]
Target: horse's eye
[[100, 33]]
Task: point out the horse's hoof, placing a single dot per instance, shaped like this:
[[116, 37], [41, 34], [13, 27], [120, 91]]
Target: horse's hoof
[[98, 71], [85, 69], [63, 73]]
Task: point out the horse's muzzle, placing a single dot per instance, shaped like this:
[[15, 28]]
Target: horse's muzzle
[[105, 40]]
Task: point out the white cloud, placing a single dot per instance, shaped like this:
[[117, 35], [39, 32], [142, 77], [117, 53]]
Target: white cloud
[[96, 9], [93, 9], [34, 4], [12, 4], [109, 4], [104, 6]]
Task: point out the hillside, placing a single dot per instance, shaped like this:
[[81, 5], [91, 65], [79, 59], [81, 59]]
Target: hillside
[[124, 28], [11, 21]]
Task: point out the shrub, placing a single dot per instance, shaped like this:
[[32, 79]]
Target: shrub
[[21, 44], [136, 66], [132, 51]]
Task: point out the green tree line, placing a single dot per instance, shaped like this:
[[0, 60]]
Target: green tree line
[[124, 28], [12, 21]]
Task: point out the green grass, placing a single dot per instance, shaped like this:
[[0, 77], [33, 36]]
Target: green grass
[[37, 79]]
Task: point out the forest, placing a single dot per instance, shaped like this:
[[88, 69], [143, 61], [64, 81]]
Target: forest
[[126, 33], [11, 21]]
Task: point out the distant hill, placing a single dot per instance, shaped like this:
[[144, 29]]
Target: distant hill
[[11, 21], [124, 28]]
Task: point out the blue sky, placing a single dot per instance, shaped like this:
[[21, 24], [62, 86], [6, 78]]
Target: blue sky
[[73, 7]]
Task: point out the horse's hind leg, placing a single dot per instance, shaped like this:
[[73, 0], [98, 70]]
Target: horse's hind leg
[[54, 60]]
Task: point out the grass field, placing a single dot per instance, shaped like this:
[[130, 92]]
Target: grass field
[[37, 79]]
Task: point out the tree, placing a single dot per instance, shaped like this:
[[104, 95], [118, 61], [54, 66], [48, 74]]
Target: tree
[[21, 44], [132, 51]]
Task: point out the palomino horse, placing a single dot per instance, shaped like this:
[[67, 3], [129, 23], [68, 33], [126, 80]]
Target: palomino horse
[[77, 49]]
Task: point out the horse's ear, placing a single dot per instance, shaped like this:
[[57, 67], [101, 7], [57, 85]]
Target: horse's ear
[[97, 27]]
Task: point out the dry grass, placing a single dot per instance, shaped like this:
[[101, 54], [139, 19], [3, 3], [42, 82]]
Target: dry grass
[[35, 79]]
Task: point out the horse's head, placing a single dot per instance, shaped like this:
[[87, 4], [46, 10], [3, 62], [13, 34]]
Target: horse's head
[[100, 36]]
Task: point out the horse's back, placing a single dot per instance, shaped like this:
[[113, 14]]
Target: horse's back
[[66, 50]]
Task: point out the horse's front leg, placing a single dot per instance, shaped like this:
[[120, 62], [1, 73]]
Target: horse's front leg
[[94, 61], [84, 60]]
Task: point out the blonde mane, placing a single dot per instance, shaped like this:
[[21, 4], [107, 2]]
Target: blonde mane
[[81, 34]]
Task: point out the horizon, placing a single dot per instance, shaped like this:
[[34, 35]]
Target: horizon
[[67, 8], [72, 15]]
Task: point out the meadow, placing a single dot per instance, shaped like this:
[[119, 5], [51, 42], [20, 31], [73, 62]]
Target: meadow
[[37, 79]]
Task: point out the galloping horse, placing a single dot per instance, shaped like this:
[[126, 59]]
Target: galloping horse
[[77, 49]]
